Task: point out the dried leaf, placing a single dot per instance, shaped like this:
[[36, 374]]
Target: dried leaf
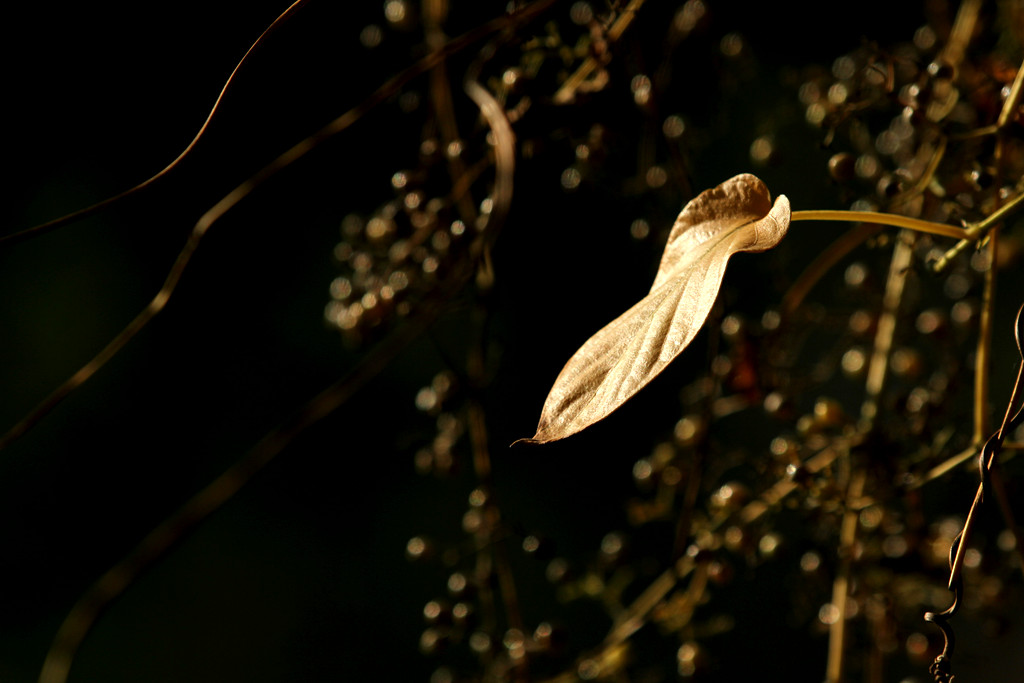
[[625, 355]]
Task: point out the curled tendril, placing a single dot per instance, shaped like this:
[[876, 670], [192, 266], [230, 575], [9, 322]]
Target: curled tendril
[[942, 670], [942, 667]]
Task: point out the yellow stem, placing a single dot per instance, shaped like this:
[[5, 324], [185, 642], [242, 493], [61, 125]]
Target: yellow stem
[[981, 355], [890, 219], [960, 458], [841, 585], [109, 201], [878, 366], [974, 231], [1010, 105]]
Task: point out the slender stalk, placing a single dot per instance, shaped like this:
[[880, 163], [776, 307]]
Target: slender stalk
[[162, 538], [879, 363], [890, 219], [965, 536], [1010, 105], [982, 418], [443, 106], [975, 230], [960, 35], [208, 219], [877, 370], [841, 585], [944, 93], [631, 619], [940, 470], [115, 581], [949, 464], [43, 228]]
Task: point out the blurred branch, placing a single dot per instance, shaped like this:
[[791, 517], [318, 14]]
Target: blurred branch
[[207, 220], [117, 579], [87, 609], [823, 263], [841, 584], [567, 92]]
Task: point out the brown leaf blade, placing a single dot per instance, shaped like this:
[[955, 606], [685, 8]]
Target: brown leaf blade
[[633, 349]]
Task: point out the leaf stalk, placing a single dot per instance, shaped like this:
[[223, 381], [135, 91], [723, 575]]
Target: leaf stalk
[[877, 218]]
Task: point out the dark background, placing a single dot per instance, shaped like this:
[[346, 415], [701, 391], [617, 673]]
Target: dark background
[[302, 576]]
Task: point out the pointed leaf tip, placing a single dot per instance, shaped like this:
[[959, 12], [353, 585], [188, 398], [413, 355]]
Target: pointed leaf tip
[[633, 349]]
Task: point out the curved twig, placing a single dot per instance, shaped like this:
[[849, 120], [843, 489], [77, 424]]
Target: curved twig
[[941, 668], [159, 301], [66, 219], [157, 542], [504, 151], [113, 583]]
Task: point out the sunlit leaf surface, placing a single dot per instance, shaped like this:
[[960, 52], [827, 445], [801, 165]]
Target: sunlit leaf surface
[[629, 352]]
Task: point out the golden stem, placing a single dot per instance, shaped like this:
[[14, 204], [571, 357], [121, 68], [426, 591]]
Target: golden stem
[[982, 420], [110, 201], [890, 219], [944, 94], [965, 536], [841, 585], [879, 363], [973, 231], [214, 214], [1010, 105]]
